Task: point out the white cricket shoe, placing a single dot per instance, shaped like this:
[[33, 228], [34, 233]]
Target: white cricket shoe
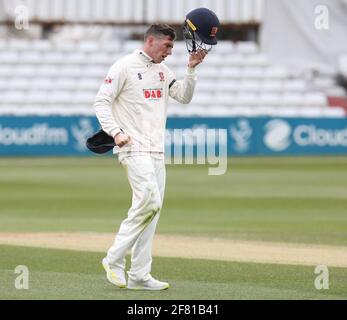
[[115, 275], [149, 284]]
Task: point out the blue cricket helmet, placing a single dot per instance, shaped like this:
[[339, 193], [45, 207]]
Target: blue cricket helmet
[[200, 29]]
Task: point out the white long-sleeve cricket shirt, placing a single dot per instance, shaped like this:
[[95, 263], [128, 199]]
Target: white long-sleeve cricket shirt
[[134, 98]]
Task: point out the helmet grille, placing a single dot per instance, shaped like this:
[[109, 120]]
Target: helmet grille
[[193, 41]]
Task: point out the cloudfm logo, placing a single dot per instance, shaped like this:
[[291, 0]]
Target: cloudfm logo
[[277, 135]]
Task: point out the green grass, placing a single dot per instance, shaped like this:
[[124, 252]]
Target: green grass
[[63, 274], [299, 200], [277, 199]]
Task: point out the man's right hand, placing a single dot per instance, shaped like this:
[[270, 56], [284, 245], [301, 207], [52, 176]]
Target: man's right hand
[[121, 139]]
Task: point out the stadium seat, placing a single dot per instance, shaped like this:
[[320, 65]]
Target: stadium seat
[[207, 72], [110, 47], [234, 60], [3, 45], [324, 83], [335, 91], [47, 70], [73, 71], [315, 99], [231, 73], [113, 57], [297, 85], [269, 99], [248, 86], [3, 84], [18, 84], [94, 72], [333, 112], [29, 71], [42, 46], [8, 110], [205, 86], [179, 47], [203, 99], [173, 60], [53, 58], [85, 109], [177, 111], [256, 60], [6, 70], [88, 46], [75, 58], [223, 48], [213, 60], [57, 109], [19, 44], [180, 72], [226, 86], [246, 47], [77, 110], [60, 97], [227, 99], [246, 99], [13, 97], [84, 97], [292, 99], [271, 86], [130, 46], [287, 112], [44, 111], [41, 84], [88, 84], [243, 111], [64, 46], [266, 111], [38, 97], [195, 111], [276, 73], [9, 57], [216, 111], [65, 83], [253, 73], [173, 110], [11, 110], [30, 58], [101, 58], [310, 111]]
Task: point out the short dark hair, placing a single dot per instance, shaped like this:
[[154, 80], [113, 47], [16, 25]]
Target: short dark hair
[[159, 30]]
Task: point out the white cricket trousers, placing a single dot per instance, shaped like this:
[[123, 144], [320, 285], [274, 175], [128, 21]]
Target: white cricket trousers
[[146, 175]]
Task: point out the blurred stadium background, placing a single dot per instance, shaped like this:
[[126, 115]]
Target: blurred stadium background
[[276, 82], [292, 64]]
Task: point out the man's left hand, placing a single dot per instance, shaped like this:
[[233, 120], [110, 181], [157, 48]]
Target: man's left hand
[[196, 58]]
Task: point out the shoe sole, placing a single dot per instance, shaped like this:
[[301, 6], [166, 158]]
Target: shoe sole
[[149, 289], [108, 272]]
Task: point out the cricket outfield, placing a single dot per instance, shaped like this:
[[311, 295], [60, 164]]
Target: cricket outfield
[[257, 232]]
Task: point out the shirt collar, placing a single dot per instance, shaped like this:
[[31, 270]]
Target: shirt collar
[[144, 56]]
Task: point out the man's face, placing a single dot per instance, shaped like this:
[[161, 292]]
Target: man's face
[[160, 48]]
